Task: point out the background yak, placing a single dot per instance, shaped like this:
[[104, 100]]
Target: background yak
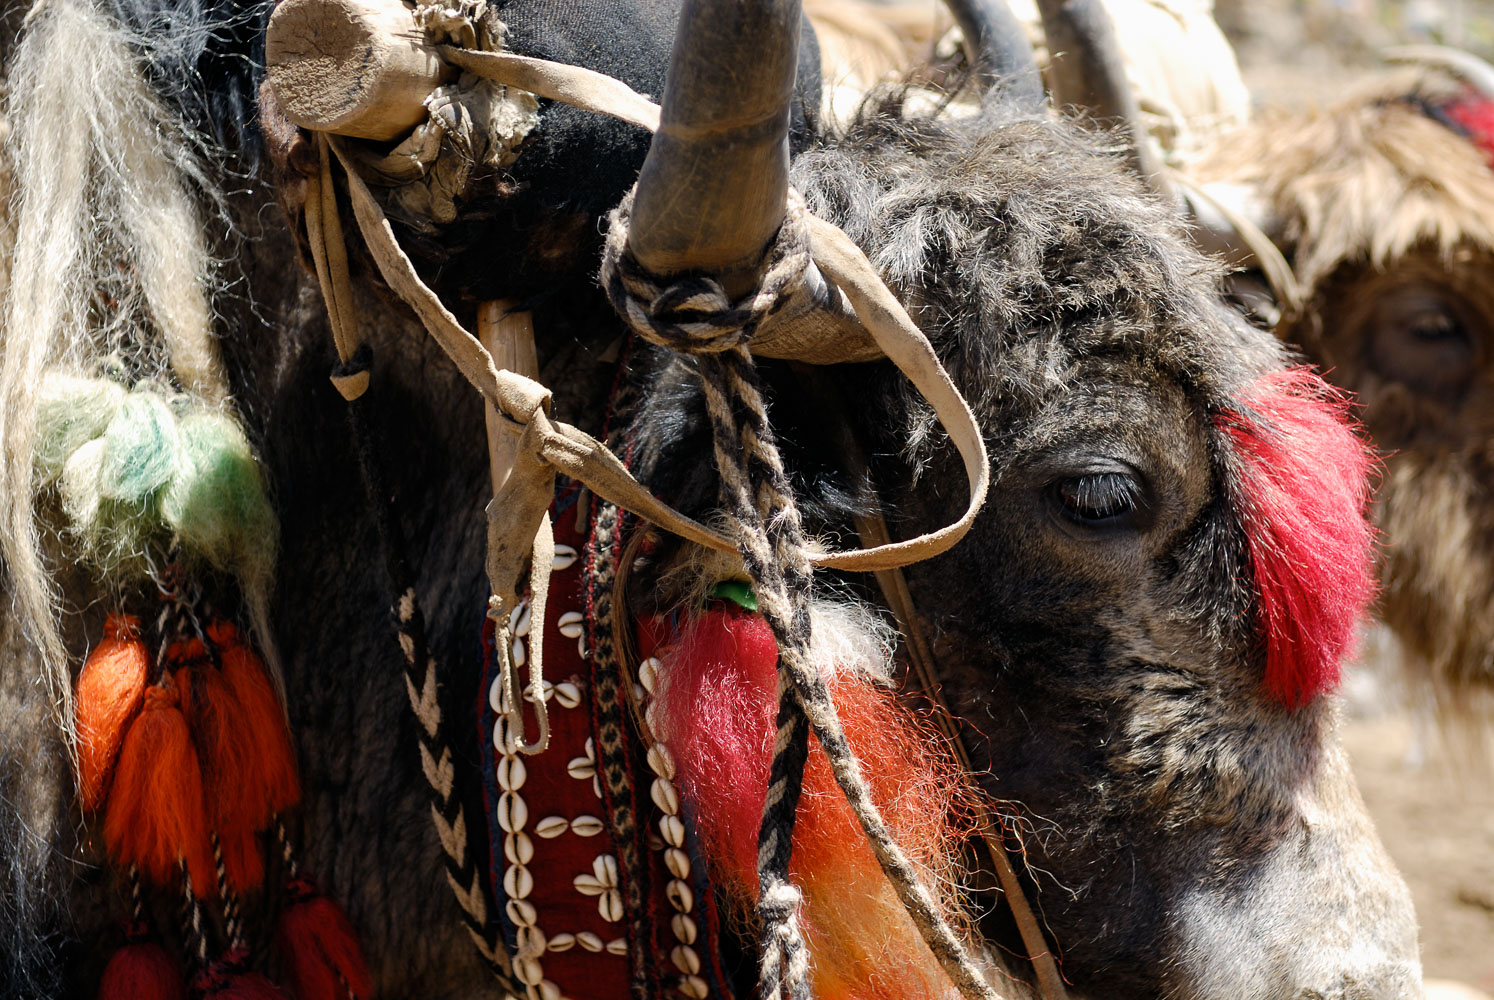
[[1381, 201], [1141, 633]]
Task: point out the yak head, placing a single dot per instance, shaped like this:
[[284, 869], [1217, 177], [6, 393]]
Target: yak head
[[1143, 631]]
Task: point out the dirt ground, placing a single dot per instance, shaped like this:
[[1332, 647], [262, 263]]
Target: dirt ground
[[1436, 817]]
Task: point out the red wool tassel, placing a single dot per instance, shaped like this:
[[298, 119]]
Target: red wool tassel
[[270, 783], [322, 957], [1305, 479], [227, 979], [111, 687], [141, 970], [230, 774], [156, 818]]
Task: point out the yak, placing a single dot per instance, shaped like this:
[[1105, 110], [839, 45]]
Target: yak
[[1136, 643]]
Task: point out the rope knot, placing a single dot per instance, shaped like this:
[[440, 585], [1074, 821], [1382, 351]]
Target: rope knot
[[692, 313]]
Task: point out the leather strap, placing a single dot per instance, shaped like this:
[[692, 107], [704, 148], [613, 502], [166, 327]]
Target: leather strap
[[580, 456]]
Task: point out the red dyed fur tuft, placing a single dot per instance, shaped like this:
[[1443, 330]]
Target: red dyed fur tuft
[[111, 687], [716, 709], [322, 957], [1474, 113], [1305, 486]]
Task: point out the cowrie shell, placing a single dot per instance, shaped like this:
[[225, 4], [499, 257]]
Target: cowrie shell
[[518, 848], [680, 895], [518, 883], [672, 830], [684, 928], [685, 959], [665, 797], [512, 812], [521, 912], [586, 826], [551, 827]]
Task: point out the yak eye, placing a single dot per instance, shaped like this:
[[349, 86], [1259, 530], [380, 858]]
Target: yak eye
[[1434, 326], [1099, 499], [1419, 339]]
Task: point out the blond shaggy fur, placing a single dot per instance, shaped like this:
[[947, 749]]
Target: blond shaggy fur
[[1364, 180]]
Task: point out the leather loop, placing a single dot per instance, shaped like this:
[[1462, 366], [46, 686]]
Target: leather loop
[[580, 456]]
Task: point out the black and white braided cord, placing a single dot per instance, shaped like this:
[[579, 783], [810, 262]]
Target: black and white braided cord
[[422, 687], [766, 523]]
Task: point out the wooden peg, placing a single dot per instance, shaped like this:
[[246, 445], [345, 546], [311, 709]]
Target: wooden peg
[[352, 67], [508, 335]]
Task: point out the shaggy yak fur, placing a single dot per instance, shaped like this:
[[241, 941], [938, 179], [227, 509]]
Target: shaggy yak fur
[[1112, 631], [1384, 204]]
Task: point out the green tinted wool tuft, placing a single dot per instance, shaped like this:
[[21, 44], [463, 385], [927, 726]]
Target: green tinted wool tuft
[[216, 504], [110, 532], [140, 449], [71, 410], [80, 485]]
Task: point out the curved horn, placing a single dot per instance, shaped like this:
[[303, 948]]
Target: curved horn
[[712, 191], [1086, 71], [999, 51], [1466, 66]]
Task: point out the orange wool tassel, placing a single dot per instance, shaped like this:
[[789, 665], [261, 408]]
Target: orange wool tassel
[[230, 774], [111, 687], [322, 957], [271, 761], [156, 818]]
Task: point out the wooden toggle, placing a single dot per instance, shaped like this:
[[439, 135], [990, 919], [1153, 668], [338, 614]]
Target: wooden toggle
[[358, 68]]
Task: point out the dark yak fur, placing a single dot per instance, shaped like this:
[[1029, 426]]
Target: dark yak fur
[[1193, 837]]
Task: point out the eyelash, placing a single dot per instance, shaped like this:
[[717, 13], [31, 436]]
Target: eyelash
[[1099, 498]]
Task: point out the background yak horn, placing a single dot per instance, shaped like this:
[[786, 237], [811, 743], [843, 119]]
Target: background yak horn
[[1464, 65], [999, 51], [712, 191], [1086, 71]]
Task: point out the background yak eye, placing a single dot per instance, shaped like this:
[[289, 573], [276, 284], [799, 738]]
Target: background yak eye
[[1419, 339], [1099, 498]]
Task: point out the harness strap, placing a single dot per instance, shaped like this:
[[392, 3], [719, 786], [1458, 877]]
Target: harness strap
[[894, 585]]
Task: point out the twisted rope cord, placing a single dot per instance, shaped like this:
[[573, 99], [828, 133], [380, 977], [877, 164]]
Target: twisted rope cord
[[693, 314], [765, 521], [233, 925]]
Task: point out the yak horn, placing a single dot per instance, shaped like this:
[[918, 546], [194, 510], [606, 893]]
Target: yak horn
[[999, 51], [712, 192], [1466, 66], [1087, 72]]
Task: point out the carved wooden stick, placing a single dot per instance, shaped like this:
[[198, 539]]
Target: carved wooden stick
[[352, 67], [508, 334]]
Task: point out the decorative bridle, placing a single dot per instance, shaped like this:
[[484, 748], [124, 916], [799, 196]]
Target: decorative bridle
[[810, 263]]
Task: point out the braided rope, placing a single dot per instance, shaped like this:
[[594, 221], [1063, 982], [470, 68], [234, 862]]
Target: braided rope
[[692, 314], [437, 762], [765, 521], [194, 934], [233, 925]]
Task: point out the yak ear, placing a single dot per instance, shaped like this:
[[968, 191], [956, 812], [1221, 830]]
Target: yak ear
[[1303, 489]]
